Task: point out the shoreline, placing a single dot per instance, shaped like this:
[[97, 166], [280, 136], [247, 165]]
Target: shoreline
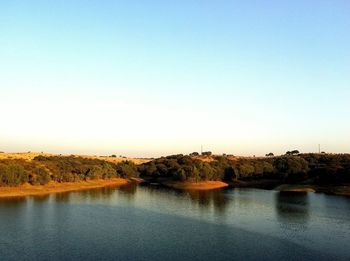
[[295, 188], [55, 187], [200, 185], [332, 189]]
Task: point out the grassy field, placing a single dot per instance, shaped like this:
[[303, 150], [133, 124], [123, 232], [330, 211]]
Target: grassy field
[[31, 155]]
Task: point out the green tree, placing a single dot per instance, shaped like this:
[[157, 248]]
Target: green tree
[[40, 176]]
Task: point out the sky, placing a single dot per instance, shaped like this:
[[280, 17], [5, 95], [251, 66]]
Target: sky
[[150, 78]]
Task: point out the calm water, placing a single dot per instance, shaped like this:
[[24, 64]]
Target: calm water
[[145, 223]]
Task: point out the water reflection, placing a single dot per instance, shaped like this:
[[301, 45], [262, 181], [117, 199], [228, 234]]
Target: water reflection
[[208, 198], [97, 193], [41, 198], [128, 191], [63, 197], [292, 206], [292, 210], [102, 224], [12, 202]]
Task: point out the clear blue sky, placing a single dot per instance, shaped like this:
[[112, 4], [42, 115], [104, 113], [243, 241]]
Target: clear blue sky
[[146, 78]]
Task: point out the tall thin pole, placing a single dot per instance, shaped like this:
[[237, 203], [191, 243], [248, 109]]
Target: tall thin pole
[[319, 148], [201, 149]]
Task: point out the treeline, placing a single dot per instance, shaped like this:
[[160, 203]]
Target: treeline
[[180, 167], [318, 168], [43, 169], [315, 168]]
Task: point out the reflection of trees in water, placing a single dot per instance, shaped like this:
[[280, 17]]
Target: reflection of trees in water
[[292, 210], [204, 199], [62, 197], [41, 198], [12, 201], [96, 194], [208, 198], [128, 191], [99, 193]]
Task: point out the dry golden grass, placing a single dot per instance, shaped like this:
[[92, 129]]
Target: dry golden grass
[[204, 158], [22, 155], [31, 155], [137, 161], [211, 158], [54, 187]]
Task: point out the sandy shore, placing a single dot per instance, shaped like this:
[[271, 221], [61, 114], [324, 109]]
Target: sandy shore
[[54, 187], [201, 185]]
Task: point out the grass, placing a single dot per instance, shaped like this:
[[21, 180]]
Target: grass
[[31, 155]]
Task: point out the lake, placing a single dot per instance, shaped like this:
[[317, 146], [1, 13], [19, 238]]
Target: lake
[[152, 223]]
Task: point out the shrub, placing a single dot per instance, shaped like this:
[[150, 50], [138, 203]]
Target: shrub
[[13, 174], [40, 176]]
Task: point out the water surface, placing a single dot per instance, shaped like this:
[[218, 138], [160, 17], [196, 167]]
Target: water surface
[[150, 223]]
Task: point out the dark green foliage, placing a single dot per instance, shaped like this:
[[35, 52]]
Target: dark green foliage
[[12, 174], [293, 152], [229, 174], [40, 175], [70, 169], [180, 175], [127, 169], [293, 168], [329, 168], [95, 172], [319, 168]]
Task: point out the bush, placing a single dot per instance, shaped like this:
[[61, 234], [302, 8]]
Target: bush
[[13, 174], [180, 175], [294, 168], [127, 169], [40, 176]]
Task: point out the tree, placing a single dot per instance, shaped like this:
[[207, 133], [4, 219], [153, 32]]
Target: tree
[[95, 172], [246, 169], [293, 152], [229, 174], [269, 154], [13, 174], [293, 168], [180, 175], [127, 168], [40, 176], [206, 171]]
